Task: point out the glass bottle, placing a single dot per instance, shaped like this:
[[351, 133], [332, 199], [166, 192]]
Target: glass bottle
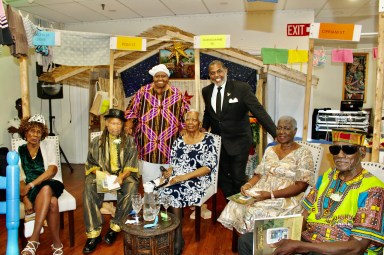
[[149, 207]]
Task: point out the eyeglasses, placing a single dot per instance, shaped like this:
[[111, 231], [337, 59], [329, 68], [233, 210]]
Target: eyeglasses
[[347, 149]]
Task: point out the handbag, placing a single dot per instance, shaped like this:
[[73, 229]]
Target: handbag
[[100, 103]]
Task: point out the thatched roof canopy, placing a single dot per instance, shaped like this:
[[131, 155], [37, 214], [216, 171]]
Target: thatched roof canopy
[[160, 37]]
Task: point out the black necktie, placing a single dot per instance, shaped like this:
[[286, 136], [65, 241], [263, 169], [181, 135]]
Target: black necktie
[[218, 101]]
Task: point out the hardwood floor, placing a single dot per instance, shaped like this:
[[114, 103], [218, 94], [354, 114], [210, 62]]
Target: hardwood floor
[[214, 238]]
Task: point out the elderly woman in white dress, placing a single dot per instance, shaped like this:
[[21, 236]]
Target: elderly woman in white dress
[[278, 184]]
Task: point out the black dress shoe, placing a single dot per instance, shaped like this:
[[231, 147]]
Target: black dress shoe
[[110, 237], [91, 244]]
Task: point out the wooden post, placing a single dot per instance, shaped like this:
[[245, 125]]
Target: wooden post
[[308, 87], [23, 66], [379, 92], [197, 79], [259, 96], [111, 72]]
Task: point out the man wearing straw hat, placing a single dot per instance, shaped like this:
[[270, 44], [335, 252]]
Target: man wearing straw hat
[[344, 212], [157, 110]]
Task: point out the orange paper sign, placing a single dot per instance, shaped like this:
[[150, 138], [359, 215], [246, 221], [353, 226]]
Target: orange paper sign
[[333, 31], [336, 31]]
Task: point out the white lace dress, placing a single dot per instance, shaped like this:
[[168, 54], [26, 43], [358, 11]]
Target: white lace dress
[[275, 174]]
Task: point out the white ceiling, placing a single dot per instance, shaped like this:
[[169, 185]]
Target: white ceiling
[[72, 11]]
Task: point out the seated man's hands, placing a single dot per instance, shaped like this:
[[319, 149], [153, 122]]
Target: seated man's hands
[[119, 179], [287, 247]]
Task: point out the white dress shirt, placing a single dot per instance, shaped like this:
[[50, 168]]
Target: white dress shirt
[[214, 95]]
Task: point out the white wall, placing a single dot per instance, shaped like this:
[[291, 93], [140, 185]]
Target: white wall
[[329, 91], [286, 98], [331, 79], [71, 117], [8, 88]]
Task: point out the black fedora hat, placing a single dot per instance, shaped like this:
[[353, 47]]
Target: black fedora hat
[[115, 113]]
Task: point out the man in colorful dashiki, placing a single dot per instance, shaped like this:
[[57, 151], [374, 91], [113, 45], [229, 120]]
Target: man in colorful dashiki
[[112, 153], [344, 212], [157, 110]]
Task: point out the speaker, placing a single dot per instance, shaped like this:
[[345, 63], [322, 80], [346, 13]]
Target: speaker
[[49, 91]]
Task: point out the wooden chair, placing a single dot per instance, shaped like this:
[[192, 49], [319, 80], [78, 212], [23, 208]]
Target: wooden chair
[[110, 196], [210, 192], [376, 169], [67, 203]]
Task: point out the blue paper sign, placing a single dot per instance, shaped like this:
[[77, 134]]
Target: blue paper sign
[[44, 38]]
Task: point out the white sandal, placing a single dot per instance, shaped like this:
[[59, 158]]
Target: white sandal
[[57, 251], [31, 248]]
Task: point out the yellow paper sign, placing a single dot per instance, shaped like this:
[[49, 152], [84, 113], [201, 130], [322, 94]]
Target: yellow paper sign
[[211, 41], [333, 31], [128, 43]]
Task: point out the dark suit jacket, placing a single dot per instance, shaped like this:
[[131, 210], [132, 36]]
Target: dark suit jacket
[[233, 125]]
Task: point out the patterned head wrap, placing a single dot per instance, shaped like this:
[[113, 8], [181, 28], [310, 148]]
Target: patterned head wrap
[[159, 68], [37, 118], [351, 136]]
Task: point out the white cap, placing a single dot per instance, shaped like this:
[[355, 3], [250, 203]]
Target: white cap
[[159, 68], [148, 187]]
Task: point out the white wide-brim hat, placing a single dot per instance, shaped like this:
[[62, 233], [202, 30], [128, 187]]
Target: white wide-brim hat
[[159, 68]]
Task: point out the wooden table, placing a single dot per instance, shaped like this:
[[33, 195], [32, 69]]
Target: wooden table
[[138, 240]]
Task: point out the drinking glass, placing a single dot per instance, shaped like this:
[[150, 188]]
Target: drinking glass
[[166, 201], [157, 202], [137, 203]]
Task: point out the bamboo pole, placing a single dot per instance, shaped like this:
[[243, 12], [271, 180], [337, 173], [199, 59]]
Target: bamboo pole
[[111, 71], [197, 79], [379, 92], [308, 87], [24, 86]]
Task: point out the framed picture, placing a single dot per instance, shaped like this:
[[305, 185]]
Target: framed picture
[[355, 78], [184, 68]]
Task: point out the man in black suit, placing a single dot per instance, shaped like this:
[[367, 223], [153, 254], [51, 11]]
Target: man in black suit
[[231, 122]]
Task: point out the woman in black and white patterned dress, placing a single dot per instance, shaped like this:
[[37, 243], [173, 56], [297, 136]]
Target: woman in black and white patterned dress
[[193, 157]]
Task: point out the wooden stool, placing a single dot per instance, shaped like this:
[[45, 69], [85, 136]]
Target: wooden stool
[[138, 240]]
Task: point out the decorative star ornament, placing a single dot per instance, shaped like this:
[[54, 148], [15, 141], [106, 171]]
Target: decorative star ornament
[[187, 97], [177, 50]]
